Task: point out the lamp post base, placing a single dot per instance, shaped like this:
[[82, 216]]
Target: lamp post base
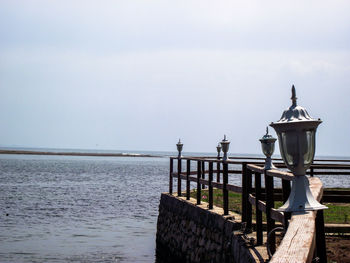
[[300, 198], [268, 164]]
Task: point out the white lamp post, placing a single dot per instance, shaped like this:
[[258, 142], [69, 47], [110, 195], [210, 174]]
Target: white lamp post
[[268, 147], [225, 144], [179, 146], [218, 149], [296, 132]]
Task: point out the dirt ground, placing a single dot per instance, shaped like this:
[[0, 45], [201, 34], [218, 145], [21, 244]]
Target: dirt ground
[[338, 249]]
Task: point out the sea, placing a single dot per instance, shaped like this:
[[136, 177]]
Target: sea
[[84, 208]]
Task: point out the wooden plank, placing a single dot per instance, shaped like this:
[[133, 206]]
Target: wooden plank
[[203, 174], [269, 205], [321, 250], [335, 192], [217, 185], [276, 215], [331, 173], [188, 185], [298, 243], [331, 166], [199, 166], [337, 228], [255, 168], [193, 179], [245, 193], [258, 203], [336, 198], [234, 171], [203, 182], [224, 188], [280, 174], [179, 161], [218, 172], [258, 212], [229, 187], [249, 205], [210, 187], [234, 188], [171, 177]]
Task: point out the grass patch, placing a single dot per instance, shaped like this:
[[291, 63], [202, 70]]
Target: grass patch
[[335, 214]]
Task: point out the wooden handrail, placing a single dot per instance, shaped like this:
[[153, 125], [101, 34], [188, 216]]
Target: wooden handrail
[[298, 243], [233, 159], [280, 174]]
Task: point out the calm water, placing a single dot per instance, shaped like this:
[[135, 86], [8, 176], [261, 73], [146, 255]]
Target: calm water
[[81, 209], [84, 209]]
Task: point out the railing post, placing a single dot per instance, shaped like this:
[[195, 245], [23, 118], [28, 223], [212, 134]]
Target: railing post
[[285, 195], [269, 205], [311, 171], [203, 173], [188, 166], [210, 185], [224, 187], [179, 176], [199, 173], [218, 172], [171, 176], [249, 205], [321, 251], [244, 192], [259, 221]]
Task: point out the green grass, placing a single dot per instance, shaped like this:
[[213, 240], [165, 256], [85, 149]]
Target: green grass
[[335, 214]]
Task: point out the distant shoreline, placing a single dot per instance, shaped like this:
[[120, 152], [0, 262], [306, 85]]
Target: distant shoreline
[[77, 153]]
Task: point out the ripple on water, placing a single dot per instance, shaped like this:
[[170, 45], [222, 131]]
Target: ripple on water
[[79, 209]]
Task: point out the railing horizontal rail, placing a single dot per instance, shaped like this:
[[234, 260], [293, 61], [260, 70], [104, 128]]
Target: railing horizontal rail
[[277, 215], [255, 168], [280, 174], [331, 166], [260, 204], [330, 173], [230, 187], [298, 244]]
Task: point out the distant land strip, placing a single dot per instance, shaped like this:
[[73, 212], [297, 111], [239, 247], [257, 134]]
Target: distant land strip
[[77, 153]]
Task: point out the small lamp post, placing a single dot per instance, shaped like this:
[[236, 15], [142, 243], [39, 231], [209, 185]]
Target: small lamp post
[[268, 147], [225, 144], [296, 132], [179, 146], [218, 149]]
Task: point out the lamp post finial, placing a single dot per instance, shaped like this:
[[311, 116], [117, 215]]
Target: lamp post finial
[[294, 97]]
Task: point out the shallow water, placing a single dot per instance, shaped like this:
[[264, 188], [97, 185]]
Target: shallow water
[[84, 209]]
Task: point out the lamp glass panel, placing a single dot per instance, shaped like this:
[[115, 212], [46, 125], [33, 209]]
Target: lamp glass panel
[[289, 147], [268, 148], [309, 142]]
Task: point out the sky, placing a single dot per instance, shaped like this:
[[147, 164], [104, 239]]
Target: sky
[[139, 75]]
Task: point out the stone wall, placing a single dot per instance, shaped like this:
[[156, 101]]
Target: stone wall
[[190, 233]]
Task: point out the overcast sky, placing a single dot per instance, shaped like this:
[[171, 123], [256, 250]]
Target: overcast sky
[[139, 75]]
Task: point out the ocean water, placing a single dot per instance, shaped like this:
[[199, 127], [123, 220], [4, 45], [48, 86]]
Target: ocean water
[[85, 209], [79, 209]]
